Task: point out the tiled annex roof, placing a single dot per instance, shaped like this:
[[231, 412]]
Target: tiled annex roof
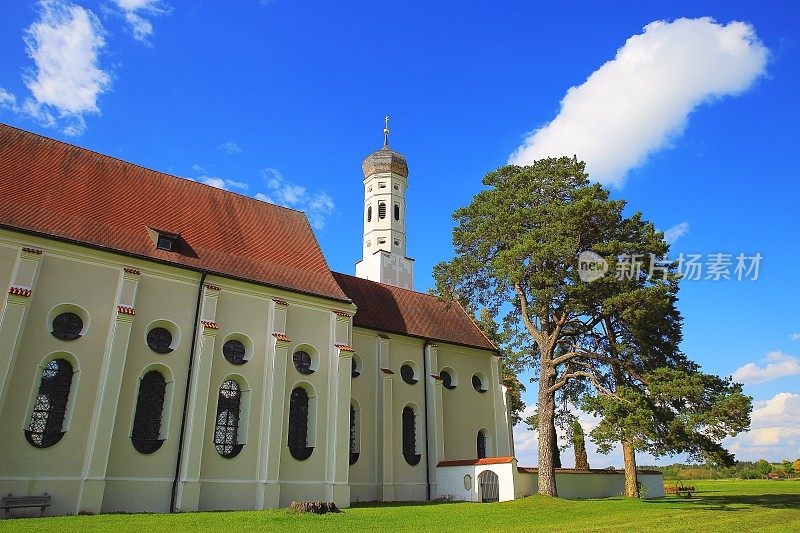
[[394, 310], [55, 189]]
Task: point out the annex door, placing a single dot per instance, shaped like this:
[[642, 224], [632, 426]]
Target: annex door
[[488, 487]]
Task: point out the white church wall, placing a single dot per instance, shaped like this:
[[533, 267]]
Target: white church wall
[[576, 485], [465, 411]]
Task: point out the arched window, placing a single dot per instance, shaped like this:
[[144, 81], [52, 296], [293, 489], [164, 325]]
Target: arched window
[[410, 436], [149, 408], [396, 212], [481, 444], [355, 368], [67, 326], [298, 425], [159, 340], [226, 429], [47, 419], [381, 210], [369, 214], [234, 351], [353, 435]]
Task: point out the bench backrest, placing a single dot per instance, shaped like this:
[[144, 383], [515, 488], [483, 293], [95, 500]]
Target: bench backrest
[[21, 500]]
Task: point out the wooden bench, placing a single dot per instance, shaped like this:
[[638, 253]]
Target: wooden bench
[[20, 502]]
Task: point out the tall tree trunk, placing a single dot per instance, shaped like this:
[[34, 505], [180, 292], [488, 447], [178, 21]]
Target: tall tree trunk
[[579, 445], [631, 479], [546, 412], [556, 450]]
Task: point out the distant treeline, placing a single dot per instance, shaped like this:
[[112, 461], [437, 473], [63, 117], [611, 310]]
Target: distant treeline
[[762, 469]]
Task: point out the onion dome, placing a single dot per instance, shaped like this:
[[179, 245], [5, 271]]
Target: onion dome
[[385, 160]]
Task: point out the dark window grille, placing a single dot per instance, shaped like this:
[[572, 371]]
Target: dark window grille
[[410, 437], [369, 214], [447, 380], [234, 352], [302, 362], [298, 425], [50, 407], [355, 371], [67, 327], [226, 429], [353, 433], [166, 243], [381, 210], [149, 408], [481, 445], [407, 373], [477, 384], [159, 340], [396, 212]]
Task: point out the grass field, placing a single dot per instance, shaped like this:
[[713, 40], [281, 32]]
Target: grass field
[[718, 506]]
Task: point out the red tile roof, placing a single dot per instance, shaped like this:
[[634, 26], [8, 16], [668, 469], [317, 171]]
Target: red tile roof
[[59, 190], [394, 310], [484, 461], [344, 348], [209, 324], [281, 337]]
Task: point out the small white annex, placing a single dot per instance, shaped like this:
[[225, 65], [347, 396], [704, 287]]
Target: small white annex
[[500, 479]]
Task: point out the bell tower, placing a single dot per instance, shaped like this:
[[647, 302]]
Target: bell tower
[[384, 244]]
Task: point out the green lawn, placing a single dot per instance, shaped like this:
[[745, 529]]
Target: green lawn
[[718, 506]]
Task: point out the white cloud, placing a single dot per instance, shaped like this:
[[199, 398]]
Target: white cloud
[[795, 336], [638, 102], [676, 232], [64, 44], [774, 433], [221, 183], [778, 365], [317, 205], [199, 169], [230, 147], [132, 10]]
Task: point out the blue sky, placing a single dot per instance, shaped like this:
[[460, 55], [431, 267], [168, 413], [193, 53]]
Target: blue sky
[[284, 99]]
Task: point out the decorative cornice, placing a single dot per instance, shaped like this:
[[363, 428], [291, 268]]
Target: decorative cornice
[[131, 270], [341, 313], [209, 324], [281, 337], [382, 336], [126, 310], [212, 287], [280, 302], [387, 371], [31, 250], [344, 348], [25, 292]]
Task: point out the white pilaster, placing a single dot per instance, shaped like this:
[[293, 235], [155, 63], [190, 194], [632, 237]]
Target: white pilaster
[[273, 410], [107, 397], [15, 313], [434, 415], [188, 495], [501, 432]]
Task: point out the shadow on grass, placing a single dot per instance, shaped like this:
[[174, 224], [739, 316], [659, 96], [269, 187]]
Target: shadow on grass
[[733, 502]]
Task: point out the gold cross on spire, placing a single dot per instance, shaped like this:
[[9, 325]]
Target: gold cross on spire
[[386, 131]]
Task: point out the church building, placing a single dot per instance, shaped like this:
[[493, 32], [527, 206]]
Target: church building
[[168, 346]]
